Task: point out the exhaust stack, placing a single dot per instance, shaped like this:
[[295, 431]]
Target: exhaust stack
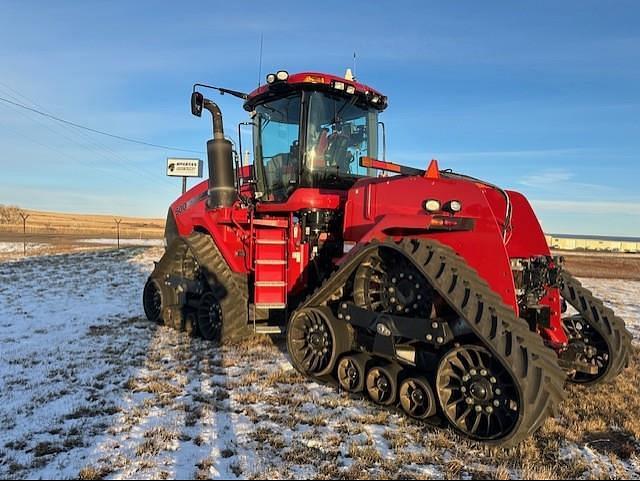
[[222, 191]]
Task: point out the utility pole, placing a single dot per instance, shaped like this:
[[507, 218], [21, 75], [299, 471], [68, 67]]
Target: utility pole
[[117, 221], [24, 232]]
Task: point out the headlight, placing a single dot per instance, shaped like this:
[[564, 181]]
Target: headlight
[[338, 85], [454, 206], [271, 78], [282, 75], [351, 89], [432, 205]]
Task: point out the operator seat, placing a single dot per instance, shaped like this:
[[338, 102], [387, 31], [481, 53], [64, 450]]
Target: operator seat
[[338, 153]]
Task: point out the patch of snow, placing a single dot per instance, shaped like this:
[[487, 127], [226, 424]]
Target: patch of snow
[[623, 296], [13, 247]]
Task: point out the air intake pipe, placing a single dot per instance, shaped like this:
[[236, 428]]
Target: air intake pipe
[[222, 190]]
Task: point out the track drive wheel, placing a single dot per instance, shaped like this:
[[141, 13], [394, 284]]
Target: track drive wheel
[[387, 282], [417, 398], [476, 394], [315, 340]]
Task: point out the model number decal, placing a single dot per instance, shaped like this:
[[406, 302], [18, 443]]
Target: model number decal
[[184, 206]]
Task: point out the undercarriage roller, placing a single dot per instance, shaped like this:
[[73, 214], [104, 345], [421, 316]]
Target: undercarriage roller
[[417, 398], [190, 324], [316, 339], [351, 372], [382, 384]]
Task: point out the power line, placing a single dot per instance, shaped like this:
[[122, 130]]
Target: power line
[[92, 146], [63, 156], [119, 137]]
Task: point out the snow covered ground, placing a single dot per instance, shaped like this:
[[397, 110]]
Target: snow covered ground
[[18, 247], [623, 296], [15, 250], [89, 388]]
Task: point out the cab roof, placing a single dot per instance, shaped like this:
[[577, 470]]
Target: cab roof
[[313, 81]]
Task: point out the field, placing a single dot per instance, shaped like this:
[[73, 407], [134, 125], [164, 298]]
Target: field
[[54, 232], [90, 389], [56, 227], [603, 265]]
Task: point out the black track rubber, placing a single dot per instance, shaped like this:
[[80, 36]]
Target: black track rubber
[[229, 287], [533, 366], [603, 320]]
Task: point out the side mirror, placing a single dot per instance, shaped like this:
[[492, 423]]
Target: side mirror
[[197, 102]]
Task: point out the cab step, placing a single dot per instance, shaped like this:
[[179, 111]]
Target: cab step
[[268, 330]]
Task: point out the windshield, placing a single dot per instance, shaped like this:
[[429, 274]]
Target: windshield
[[276, 133], [339, 132]]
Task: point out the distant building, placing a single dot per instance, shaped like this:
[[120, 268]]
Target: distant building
[[593, 243]]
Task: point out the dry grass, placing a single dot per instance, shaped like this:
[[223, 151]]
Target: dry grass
[[94, 472], [602, 418]]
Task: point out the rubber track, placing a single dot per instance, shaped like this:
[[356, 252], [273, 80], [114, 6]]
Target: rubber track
[[530, 363], [603, 320], [171, 261], [230, 287]]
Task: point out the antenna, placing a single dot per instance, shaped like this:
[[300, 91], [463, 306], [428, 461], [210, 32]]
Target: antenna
[[354, 65], [260, 61]]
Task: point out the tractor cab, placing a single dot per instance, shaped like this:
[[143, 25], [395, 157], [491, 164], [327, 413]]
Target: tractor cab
[[310, 130]]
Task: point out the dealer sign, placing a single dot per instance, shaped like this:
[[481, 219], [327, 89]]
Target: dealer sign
[[184, 167]]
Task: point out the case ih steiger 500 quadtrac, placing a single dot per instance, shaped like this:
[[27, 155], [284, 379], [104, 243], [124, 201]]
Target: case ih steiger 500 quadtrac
[[426, 289]]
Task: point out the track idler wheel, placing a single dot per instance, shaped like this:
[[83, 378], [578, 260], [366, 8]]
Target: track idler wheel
[[209, 316], [351, 373], [417, 398], [382, 384], [152, 299], [476, 394], [315, 340]]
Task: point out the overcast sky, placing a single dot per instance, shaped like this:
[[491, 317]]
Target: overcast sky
[[541, 97]]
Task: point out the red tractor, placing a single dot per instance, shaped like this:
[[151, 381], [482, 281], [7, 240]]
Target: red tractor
[[424, 289]]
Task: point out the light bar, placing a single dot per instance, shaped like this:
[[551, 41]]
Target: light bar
[[371, 163]]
